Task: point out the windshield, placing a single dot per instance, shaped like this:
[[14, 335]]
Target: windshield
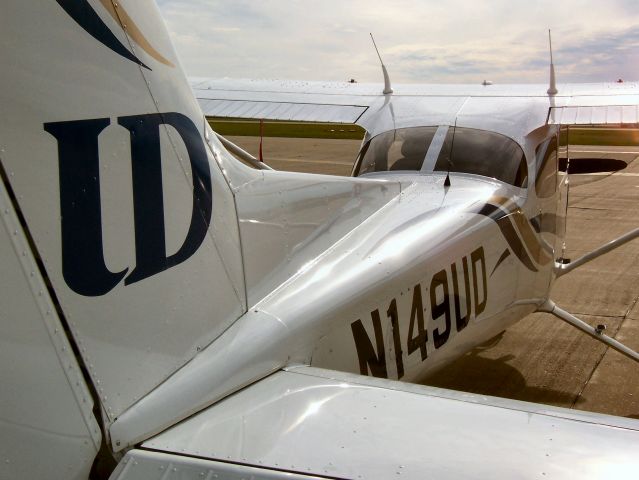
[[483, 153], [463, 150]]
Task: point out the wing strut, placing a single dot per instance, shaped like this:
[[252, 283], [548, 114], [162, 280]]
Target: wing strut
[[562, 269], [597, 333]]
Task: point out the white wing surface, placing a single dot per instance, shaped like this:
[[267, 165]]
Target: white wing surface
[[307, 421], [410, 105], [273, 100]]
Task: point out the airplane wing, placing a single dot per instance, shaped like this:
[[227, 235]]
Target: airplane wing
[[583, 104], [283, 100], [307, 421]]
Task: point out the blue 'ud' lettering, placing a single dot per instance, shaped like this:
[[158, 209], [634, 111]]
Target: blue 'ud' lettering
[[83, 265]]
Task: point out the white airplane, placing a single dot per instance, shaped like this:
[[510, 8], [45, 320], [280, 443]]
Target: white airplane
[[170, 312]]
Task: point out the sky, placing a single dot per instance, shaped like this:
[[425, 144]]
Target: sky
[[426, 41]]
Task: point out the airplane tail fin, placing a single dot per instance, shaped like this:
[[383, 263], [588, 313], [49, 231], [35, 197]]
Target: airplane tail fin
[[104, 149]]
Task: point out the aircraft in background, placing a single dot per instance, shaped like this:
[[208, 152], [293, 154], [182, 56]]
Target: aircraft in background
[[170, 312]]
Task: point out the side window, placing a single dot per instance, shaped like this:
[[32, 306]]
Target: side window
[[547, 166], [402, 149]]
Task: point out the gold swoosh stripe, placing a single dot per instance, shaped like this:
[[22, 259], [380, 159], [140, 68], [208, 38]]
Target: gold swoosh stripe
[[524, 229], [505, 202], [509, 232], [121, 16], [530, 238]]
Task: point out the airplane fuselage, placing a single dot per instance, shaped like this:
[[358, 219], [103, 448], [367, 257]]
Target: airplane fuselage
[[460, 264]]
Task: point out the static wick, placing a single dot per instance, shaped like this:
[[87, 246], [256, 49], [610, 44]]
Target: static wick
[[552, 89], [387, 83]]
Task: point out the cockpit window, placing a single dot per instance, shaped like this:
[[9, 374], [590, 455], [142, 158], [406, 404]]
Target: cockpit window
[[464, 150], [402, 149], [483, 153]]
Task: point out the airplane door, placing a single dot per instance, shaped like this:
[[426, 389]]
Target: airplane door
[[549, 221]]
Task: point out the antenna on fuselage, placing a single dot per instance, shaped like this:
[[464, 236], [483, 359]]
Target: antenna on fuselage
[[552, 89], [387, 84]]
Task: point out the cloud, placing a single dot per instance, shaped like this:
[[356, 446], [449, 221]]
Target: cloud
[[421, 41]]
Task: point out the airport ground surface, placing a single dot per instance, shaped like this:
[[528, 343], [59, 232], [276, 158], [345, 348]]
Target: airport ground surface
[[541, 359]]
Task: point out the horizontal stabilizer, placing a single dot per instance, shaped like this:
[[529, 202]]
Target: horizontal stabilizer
[[321, 422]]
